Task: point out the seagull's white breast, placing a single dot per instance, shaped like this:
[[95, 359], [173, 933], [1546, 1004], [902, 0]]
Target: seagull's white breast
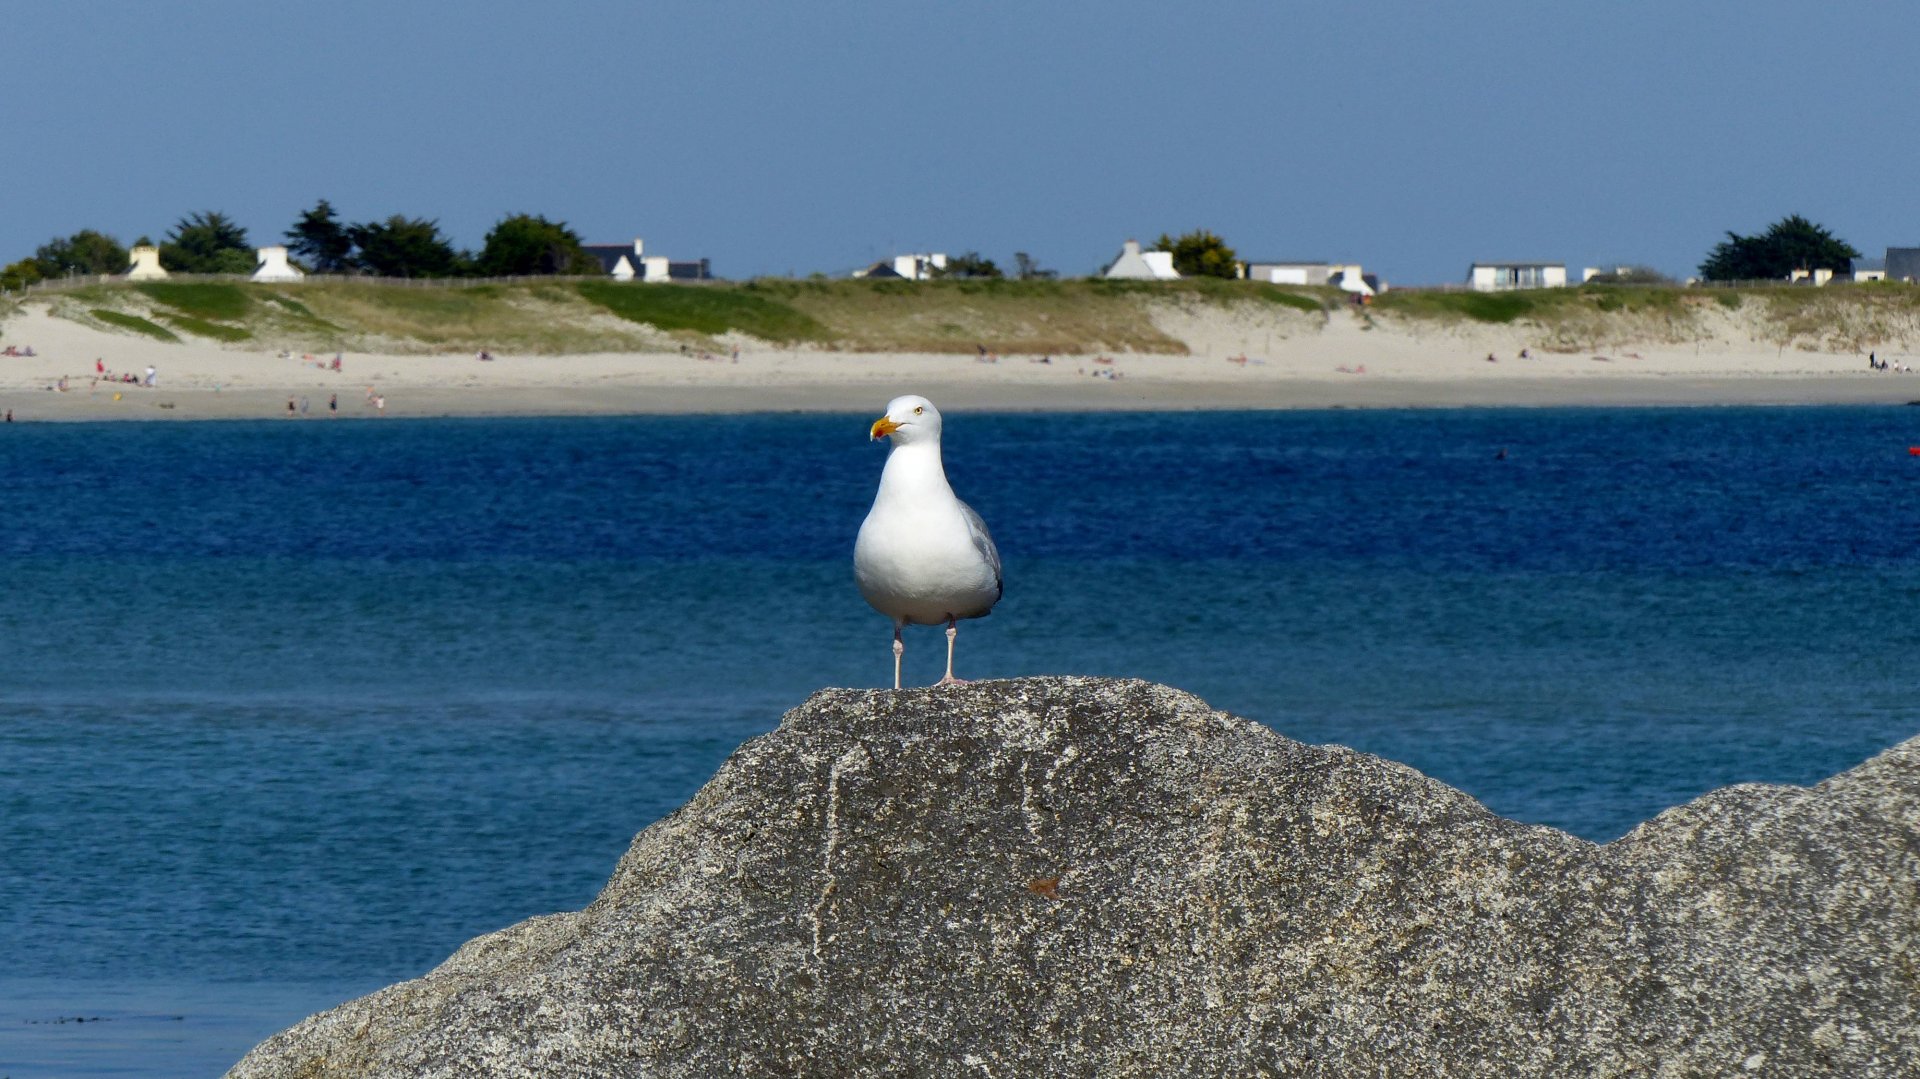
[[920, 557]]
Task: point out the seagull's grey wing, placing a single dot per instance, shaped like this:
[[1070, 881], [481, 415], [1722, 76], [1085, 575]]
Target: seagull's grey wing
[[983, 542]]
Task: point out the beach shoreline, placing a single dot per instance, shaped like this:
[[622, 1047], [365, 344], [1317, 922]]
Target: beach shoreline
[[1344, 363], [161, 404]]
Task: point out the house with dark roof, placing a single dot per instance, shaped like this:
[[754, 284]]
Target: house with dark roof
[[1903, 264], [920, 266], [1864, 269], [630, 262]]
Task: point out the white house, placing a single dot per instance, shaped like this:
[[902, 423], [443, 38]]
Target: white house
[[1503, 276], [921, 266], [1346, 276], [621, 262], [274, 266], [146, 264], [632, 263], [1142, 265], [1865, 269]]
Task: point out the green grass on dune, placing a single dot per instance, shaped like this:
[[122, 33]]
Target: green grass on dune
[[703, 309], [1076, 315], [133, 322], [203, 300], [1532, 304], [1478, 306], [200, 327]]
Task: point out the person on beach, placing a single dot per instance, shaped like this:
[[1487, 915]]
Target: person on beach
[[289, 408], [153, 376], [336, 361], [303, 406], [333, 404]]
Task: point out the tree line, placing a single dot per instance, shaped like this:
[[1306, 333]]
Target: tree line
[[518, 245], [210, 242]]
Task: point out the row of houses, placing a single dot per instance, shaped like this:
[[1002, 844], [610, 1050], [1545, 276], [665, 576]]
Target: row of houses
[[630, 262], [1133, 263], [622, 262], [1899, 264]]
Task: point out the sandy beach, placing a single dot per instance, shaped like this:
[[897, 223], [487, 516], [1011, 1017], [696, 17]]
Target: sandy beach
[[1233, 364]]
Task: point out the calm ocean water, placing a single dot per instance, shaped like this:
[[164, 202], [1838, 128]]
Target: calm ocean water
[[288, 711]]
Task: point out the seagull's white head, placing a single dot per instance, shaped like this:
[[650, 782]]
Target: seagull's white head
[[909, 419]]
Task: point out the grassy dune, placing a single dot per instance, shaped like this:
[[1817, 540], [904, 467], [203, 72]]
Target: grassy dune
[[567, 315], [1076, 316]]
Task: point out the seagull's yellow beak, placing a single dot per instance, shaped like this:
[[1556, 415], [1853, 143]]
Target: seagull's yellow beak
[[881, 428]]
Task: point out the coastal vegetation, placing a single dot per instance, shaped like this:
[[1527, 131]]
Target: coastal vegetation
[[1200, 253], [1791, 244], [208, 242], [554, 315]]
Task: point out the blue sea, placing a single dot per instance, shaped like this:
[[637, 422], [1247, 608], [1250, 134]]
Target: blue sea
[[290, 710]]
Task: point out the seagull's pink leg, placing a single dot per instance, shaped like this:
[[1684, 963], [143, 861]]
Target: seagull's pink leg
[[950, 680], [899, 650]]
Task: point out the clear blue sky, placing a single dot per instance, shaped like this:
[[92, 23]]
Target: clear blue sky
[[794, 138]]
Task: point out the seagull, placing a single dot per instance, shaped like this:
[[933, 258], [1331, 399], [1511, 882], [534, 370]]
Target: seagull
[[923, 556]]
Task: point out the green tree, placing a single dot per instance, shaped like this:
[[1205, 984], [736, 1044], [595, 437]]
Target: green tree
[[1026, 268], [970, 264], [405, 247], [207, 242], [526, 244], [84, 253], [1200, 254], [1792, 243], [321, 241], [20, 274]]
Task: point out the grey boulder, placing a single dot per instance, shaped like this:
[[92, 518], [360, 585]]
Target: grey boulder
[[1090, 877]]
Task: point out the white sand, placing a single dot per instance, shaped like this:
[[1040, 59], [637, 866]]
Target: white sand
[[1293, 360]]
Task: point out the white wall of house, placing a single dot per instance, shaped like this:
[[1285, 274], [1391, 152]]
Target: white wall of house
[[1142, 265], [919, 266], [1346, 276], [1290, 273], [146, 264], [1350, 279], [1502, 276], [1816, 277], [273, 265]]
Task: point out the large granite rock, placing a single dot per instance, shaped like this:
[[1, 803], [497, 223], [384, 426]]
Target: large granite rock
[[1082, 877]]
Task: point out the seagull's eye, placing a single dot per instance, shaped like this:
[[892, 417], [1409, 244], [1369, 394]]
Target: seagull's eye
[[918, 410]]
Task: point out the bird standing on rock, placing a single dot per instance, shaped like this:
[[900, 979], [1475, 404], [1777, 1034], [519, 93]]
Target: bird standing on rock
[[923, 556]]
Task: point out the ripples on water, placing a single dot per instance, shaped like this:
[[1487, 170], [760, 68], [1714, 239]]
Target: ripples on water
[[299, 707]]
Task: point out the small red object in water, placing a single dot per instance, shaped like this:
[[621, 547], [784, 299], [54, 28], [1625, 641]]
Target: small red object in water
[[1913, 451]]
